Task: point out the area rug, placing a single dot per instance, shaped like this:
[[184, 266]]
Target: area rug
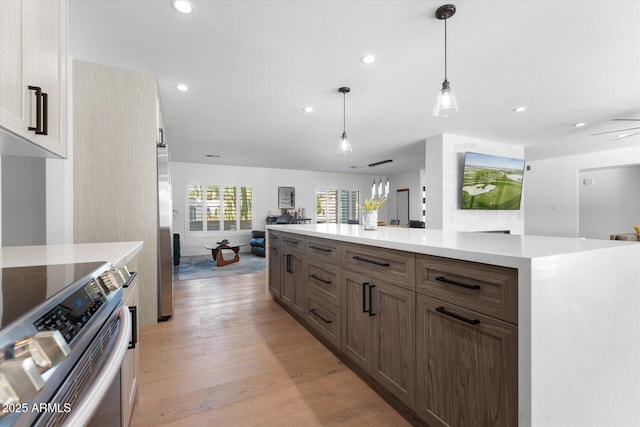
[[203, 267]]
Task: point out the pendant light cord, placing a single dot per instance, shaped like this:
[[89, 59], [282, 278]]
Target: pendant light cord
[[445, 49], [344, 112]]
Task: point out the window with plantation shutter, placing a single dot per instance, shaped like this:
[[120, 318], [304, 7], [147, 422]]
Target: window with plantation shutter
[[217, 207], [335, 206]]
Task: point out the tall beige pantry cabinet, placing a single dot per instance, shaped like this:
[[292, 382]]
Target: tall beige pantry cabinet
[[33, 72], [115, 132]]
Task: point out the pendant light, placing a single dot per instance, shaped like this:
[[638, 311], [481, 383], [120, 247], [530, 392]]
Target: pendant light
[[386, 188], [380, 188], [344, 146], [373, 188], [446, 103]]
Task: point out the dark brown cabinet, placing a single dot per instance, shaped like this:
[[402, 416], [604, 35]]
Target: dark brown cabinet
[[467, 367], [379, 332], [274, 271], [293, 276]]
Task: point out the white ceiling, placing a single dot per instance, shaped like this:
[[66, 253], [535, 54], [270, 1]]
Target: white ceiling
[[252, 66]]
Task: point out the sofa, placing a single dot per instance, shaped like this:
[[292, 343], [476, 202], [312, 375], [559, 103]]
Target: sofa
[[257, 242]]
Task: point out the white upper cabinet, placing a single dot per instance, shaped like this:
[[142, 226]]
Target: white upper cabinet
[[33, 72]]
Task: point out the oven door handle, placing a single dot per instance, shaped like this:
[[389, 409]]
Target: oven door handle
[[83, 410]]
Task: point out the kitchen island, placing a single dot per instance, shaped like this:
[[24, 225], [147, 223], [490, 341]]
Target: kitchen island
[[567, 306]]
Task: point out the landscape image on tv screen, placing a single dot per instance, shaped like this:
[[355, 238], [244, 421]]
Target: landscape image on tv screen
[[491, 182]]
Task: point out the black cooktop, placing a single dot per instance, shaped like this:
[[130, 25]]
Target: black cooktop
[[24, 288]]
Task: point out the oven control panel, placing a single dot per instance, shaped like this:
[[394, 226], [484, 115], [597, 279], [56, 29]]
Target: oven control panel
[[70, 316]]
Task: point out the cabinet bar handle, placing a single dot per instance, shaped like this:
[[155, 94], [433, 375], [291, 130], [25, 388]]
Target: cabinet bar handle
[[289, 264], [134, 327], [370, 261], [130, 279], [457, 316], [45, 115], [320, 249], [313, 276], [371, 313], [293, 242], [364, 297], [38, 108], [456, 283], [313, 310]]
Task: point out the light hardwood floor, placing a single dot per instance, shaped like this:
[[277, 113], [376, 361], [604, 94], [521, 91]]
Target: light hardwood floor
[[232, 357]]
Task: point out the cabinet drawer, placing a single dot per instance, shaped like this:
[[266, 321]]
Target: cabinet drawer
[[487, 289], [274, 238], [292, 242], [324, 250], [324, 279], [324, 318], [394, 266]]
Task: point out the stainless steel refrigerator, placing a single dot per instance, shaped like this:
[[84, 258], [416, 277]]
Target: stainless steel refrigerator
[[165, 216]]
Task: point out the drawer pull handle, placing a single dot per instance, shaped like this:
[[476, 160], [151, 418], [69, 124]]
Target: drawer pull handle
[[457, 316], [371, 313], [320, 249], [313, 311], [370, 261], [456, 283], [313, 276], [293, 242], [364, 297]]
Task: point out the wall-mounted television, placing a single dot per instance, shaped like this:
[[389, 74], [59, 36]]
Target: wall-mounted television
[[491, 182]]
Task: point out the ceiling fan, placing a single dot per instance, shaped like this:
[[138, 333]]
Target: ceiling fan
[[622, 135]]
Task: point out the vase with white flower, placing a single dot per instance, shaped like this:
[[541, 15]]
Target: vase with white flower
[[370, 212]]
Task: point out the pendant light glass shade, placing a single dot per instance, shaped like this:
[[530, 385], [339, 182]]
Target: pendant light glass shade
[[380, 188], [446, 103], [344, 146], [386, 188], [373, 189]]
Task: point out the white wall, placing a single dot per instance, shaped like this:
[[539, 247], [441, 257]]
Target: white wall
[[609, 201], [410, 180], [444, 165], [265, 183], [551, 189]]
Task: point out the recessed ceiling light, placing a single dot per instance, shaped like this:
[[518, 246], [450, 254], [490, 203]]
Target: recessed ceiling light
[[579, 125], [520, 109], [308, 109], [182, 6], [369, 59], [182, 87]]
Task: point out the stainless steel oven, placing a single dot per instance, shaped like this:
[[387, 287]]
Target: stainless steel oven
[[64, 335]]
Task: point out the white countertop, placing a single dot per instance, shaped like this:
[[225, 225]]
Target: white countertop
[[117, 253], [502, 249]]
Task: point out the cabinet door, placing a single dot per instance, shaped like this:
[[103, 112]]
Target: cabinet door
[[274, 271], [129, 369], [44, 65], [299, 277], [293, 291], [356, 320], [286, 290], [393, 356], [467, 367], [12, 109]]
